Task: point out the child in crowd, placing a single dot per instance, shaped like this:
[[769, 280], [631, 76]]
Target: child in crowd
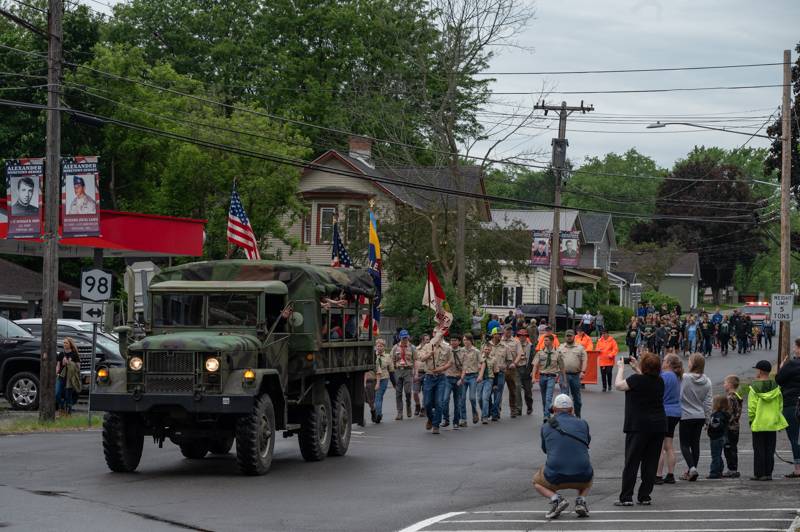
[[732, 442], [717, 432], [764, 406]]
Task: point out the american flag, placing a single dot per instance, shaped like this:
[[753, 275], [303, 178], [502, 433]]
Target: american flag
[[240, 232], [339, 256]]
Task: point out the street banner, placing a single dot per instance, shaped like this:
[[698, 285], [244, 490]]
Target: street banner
[[569, 251], [435, 299], [540, 249], [80, 196], [24, 179]]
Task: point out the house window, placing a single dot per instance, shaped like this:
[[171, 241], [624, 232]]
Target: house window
[[325, 217], [504, 296], [543, 296], [307, 228], [354, 226]]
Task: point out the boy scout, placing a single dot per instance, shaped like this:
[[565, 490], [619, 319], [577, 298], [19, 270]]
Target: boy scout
[[437, 357], [383, 367], [453, 388], [403, 357], [523, 363], [573, 359], [501, 358], [515, 351], [548, 363], [470, 363]]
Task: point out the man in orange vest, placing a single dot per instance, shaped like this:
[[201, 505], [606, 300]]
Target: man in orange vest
[[608, 351], [540, 342], [585, 340]]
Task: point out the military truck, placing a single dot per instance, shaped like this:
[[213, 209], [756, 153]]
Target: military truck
[[236, 351]]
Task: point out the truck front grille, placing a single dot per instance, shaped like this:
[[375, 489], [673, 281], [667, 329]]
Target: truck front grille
[[169, 383], [85, 354], [169, 362]]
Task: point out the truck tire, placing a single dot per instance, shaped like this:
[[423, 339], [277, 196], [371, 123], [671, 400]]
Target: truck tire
[[222, 445], [123, 439], [255, 438], [22, 391], [342, 422], [315, 431], [194, 449]]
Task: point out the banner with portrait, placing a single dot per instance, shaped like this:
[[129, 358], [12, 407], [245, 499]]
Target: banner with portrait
[[80, 196], [569, 250], [24, 178], [540, 249]]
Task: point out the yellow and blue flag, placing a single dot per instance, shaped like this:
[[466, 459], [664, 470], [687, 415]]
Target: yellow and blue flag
[[374, 269]]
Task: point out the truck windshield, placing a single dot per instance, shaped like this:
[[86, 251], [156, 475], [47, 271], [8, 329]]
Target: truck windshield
[[182, 310], [232, 310]]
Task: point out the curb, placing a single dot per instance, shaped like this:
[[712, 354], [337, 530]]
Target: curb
[[795, 526]]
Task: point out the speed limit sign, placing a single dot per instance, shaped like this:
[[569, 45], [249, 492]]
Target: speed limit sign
[[96, 284]]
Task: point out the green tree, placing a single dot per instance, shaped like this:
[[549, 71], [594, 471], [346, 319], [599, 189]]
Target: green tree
[[404, 301], [772, 163]]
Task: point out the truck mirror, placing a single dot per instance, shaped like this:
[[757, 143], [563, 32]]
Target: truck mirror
[[296, 320]]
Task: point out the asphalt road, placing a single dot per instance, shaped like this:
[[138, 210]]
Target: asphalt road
[[395, 476]]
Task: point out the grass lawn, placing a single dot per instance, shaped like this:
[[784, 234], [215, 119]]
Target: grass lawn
[[28, 424]]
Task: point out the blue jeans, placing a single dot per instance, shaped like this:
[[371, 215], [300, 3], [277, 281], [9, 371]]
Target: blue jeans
[[574, 384], [485, 393], [717, 444], [469, 388], [547, 385], [60, 392], [434, 388], [793, 432], [497, 393], [452, 388], [382, 385]]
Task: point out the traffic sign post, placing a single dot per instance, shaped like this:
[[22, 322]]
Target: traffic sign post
[[96, 287], [92, 312], [782, 307]]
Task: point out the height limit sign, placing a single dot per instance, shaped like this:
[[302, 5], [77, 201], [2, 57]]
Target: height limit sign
[[782, 307]]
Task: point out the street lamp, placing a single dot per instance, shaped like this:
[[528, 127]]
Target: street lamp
[[664, 124]]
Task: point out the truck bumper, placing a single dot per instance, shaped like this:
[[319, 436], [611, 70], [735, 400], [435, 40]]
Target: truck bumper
[[206, 404]]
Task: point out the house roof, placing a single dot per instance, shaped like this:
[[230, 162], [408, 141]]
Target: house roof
[[633, 261], [531, 220], [16, 280], [629, 277], [594, 226]]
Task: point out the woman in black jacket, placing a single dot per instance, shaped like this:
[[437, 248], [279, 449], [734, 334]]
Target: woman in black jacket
[[788, 378]]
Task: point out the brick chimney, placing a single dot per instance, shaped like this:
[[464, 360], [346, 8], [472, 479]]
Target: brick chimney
[[361, 149]]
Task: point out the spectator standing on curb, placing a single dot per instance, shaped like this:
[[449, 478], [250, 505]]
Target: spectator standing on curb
[[523, 362], [475, 324], [768, 328], [565, 441], [550, 368], [695, 413], [788, 378], [404, 357], [765, 414], [633, 338], [573, 359], [608, 351], [599, 323], [718, 433], [470, 363], [731, 448], [724, 335], [586, 322], [671, 374], [644, 426]]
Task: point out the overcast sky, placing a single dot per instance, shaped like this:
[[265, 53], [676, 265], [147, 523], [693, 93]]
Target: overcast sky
[[618, 34]]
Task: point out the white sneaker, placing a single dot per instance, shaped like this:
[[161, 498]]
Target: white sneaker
[[556, 507], [581, 508]]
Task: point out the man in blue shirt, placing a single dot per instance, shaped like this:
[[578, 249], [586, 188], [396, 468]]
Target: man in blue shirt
[[565, 441]]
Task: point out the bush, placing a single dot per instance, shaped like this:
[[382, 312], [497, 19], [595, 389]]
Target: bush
[[616, 318], [658, 299], [404, 300]]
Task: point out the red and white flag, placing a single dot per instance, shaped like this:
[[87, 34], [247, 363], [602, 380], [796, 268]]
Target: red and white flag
[[435, 299], [240, 232]]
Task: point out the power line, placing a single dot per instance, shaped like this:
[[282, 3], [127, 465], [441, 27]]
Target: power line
[[638, 91], [626, 70]]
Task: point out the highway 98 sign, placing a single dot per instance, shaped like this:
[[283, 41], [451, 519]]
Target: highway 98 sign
[[96, 284], [782, 307]]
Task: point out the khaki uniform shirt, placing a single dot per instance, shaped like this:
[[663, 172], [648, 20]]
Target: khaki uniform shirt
[[572, 357], [514, 347], [435, 356], [470, 359], [491, 365], [383, 365], [455, 369], [397, 358], [549, 361], [501, 355]]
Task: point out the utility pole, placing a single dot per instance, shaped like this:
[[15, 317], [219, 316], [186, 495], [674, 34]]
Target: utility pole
[[52, 199], [786, 183], [559, 169]]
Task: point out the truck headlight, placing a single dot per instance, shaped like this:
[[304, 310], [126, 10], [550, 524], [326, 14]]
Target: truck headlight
[[135, 363], [212, 364]]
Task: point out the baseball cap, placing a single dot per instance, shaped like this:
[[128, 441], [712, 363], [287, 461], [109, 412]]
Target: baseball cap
[[569, 332], [522, 332], [77, 180], [562, 401], [495, 330], [763, 365], [403, 334]]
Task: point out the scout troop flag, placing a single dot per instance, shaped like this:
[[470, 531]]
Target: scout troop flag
[[339, 256], [240, 232], [374, 269], [434, 299]]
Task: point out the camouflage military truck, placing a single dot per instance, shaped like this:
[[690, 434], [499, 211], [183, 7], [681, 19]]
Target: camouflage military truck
[[236, 351]]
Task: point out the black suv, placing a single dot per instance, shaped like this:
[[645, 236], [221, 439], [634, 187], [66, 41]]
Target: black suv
[[20, 353], [565, 316]]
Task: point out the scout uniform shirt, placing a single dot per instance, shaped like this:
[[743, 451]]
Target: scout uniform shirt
[[470, 359], [514, 347], [549, 361], [383, 365], [404, 357], [455, 368], [572, 357], [501, 356], [491, 366], [435, 356]]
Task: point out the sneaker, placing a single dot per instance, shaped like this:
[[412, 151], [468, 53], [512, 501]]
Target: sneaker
[[445, 423], [556, 507], [581, 508], [485, 421], [658, 481], [378, 419], [669, 479], [474, 419], [529, 411], [435, 430], [428, 425], [455, 426], [495, 419], [645, 502], [422, 411], [399, 417], [693, 474], [623, 503], [462, 424], [731, 474], [416, 410]]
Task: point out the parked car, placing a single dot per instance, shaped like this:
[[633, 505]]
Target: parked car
[[64, 325], [565, 316]]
